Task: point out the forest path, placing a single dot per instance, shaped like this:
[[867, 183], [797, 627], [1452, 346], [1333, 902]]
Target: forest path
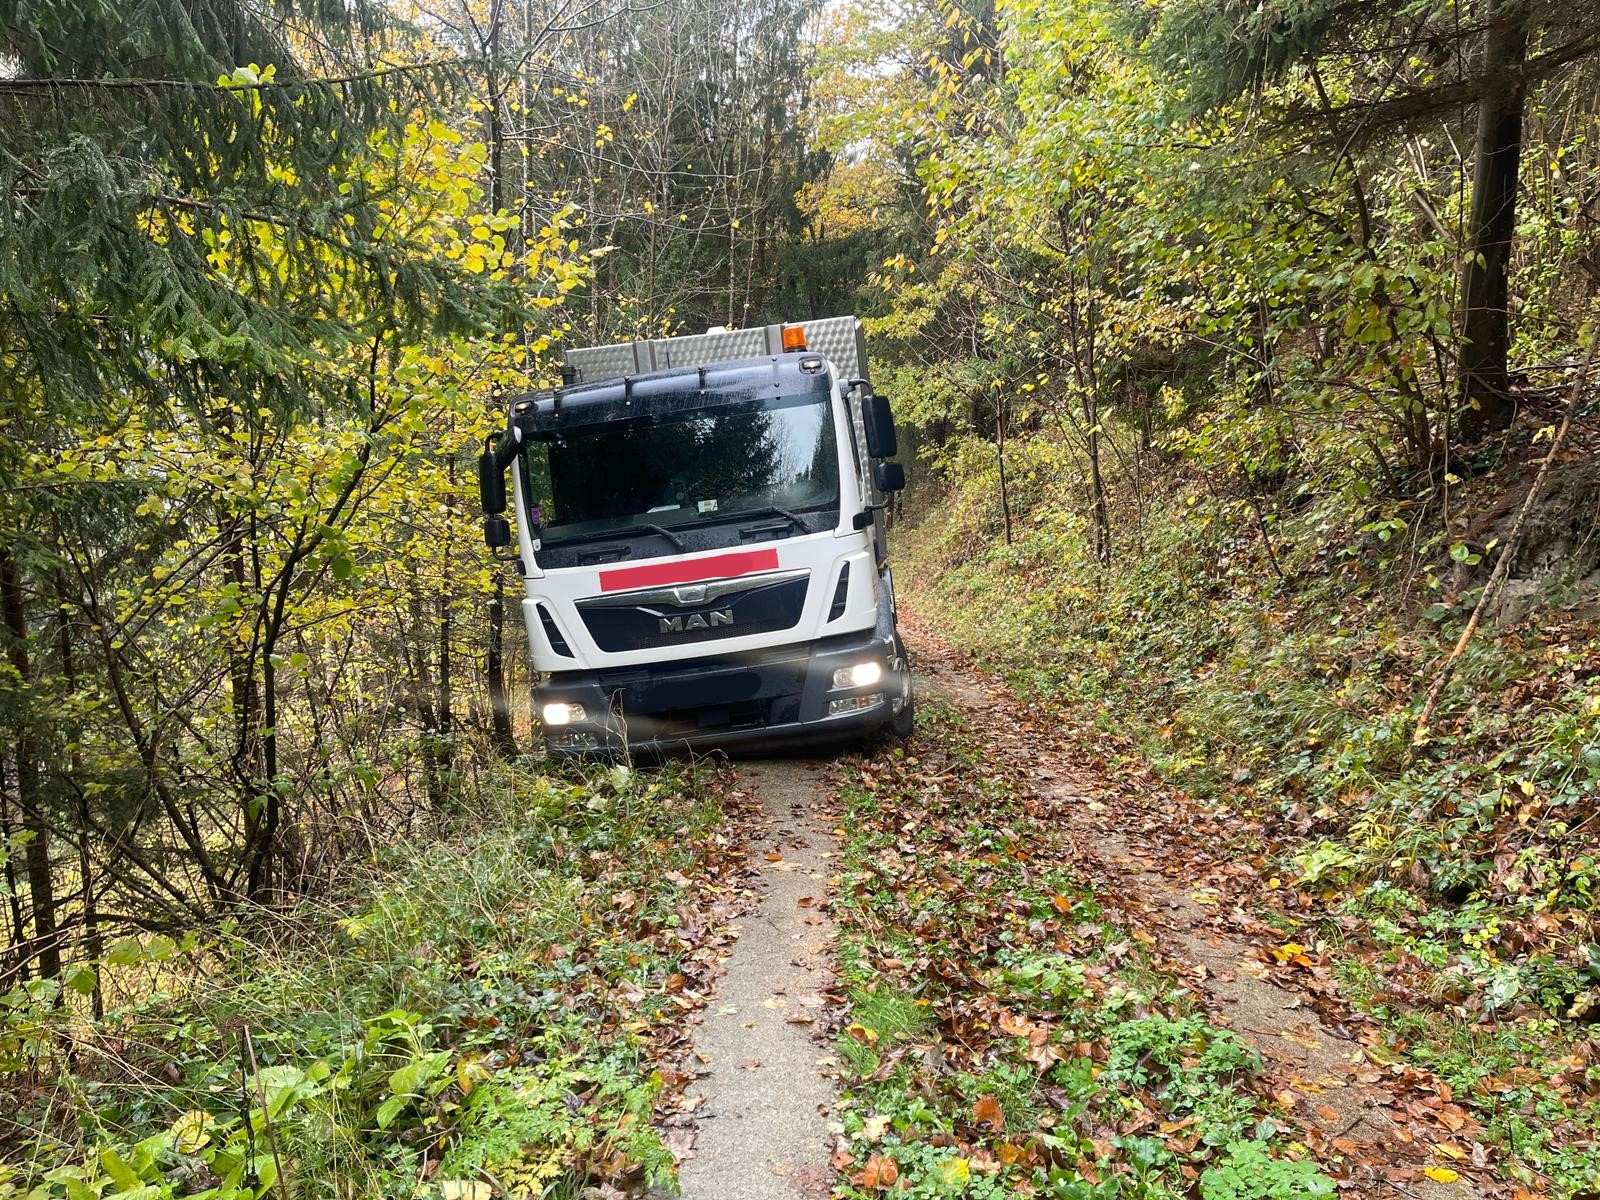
[[761, 1098], [1186, 877]]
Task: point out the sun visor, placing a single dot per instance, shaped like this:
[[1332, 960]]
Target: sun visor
[[664, 393]]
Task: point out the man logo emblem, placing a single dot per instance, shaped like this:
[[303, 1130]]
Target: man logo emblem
[[705, 620]]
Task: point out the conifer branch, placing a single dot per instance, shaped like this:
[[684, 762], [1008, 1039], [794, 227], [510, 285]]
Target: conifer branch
[[231, 86]]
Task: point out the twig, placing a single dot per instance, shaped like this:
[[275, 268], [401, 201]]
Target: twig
[[1266, 538], [266, 1118], [1502, 566]]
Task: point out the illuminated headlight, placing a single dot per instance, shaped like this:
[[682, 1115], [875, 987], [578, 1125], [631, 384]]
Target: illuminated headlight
[[562, 713], [850, 704], [861, 675]]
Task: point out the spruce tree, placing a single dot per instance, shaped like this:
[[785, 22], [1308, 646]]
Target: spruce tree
[[1397, 65], [197, 195]]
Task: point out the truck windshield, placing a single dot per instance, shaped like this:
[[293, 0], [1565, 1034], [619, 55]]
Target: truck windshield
[[687, 468]]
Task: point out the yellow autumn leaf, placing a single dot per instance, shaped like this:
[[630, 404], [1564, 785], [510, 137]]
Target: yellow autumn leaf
[[193, 1130], [955, 1172]]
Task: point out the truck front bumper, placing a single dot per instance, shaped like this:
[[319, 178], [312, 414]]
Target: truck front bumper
[[784, 697]]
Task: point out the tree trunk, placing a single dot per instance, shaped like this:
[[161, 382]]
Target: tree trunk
[[264, 842], [94, 942], [423, 691], [444, 693], [504, 737], [36, 854], [19, 920], [1487, 404], [1000, 460], [1097, 487], [242, 677], [505, 743]]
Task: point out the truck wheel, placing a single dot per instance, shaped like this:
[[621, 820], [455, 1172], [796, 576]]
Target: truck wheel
[[904, 706]]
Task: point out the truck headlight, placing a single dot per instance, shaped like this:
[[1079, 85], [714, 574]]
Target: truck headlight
[[562, 713], [863, 674]]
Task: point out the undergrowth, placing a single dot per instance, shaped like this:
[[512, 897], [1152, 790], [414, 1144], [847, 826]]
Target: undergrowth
[[472, 1018]]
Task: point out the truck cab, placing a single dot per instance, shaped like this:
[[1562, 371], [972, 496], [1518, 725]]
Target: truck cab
[[701, 541]]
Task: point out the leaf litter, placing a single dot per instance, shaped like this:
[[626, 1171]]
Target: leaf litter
[[978, 847]]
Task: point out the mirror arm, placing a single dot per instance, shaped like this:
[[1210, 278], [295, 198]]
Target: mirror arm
[[505, 446], [864, 518]]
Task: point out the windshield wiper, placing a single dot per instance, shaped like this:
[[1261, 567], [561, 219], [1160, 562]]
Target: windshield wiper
[[793, 518], [633, 530]]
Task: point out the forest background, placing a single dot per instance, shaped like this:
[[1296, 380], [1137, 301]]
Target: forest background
[[1246, 350]]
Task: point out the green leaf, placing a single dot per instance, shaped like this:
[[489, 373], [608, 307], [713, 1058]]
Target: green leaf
[[160, 948], [125, 952], [410, 1078], [121, 1173], [390, 1109], [80, 979]]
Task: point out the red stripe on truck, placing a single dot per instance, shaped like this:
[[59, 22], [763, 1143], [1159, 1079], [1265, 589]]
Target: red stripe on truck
[[724, 566]]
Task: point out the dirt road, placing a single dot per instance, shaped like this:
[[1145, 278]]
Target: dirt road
[[765, 1101], [1170, 869], [762, 1095]]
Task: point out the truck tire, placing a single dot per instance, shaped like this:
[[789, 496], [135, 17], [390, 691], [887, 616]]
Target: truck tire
[[904, 721]]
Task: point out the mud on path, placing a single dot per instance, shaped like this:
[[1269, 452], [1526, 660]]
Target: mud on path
[[1186, 879], [754, 1125]]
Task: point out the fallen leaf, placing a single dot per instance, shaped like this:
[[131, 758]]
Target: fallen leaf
[[879, 1173], [987, 1111]]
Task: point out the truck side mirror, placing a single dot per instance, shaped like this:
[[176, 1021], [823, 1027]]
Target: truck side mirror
[[496, 532], [491, 484], [889, 476], [878, 424]]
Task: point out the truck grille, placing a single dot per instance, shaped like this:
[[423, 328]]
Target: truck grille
[[691, 613]]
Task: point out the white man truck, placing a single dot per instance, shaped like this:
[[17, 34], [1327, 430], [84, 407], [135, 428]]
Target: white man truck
[[700, 529]]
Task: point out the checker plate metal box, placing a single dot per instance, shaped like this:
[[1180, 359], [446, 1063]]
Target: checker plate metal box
[[840, 339]]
